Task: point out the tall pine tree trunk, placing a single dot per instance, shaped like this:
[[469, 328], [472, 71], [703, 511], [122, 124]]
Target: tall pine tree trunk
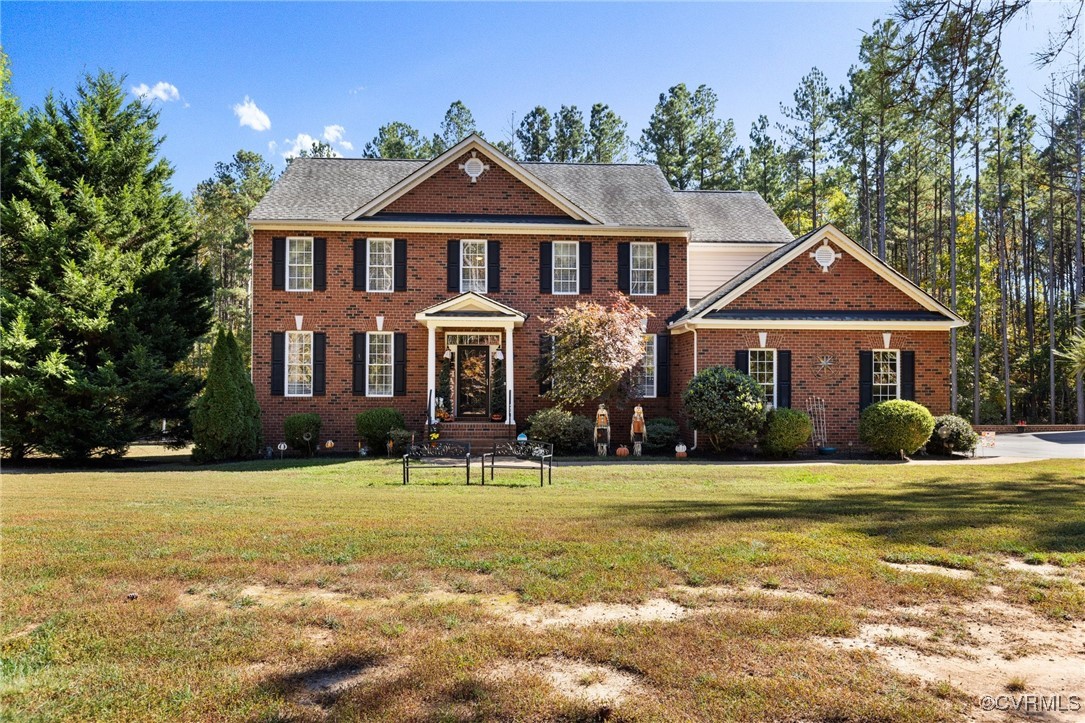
[[978, 292]]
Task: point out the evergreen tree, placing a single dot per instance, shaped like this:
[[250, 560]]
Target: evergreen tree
[[716, 159], [534, 134], [396, 140], [763, 165], [607, 139], [225, 417], [102, 295], [570, 136], [812, 129], [12, 129], [318, 149], [457, 125], [670, 138]]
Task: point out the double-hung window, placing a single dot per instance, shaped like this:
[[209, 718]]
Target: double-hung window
[[886, 375], [646, 382], [566, 270], [473, 266], [379, 351], [642, 269], [763, 371], [299, 363], [299, 263], [379, 264]]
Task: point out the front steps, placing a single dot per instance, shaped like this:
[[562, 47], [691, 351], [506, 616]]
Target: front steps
[[481, 434]]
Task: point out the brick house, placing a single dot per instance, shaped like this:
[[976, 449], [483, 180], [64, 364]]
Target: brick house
[[422, 285]]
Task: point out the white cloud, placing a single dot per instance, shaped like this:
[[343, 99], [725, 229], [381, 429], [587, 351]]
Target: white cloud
[[334, 134], [292, 147], [346, 145], [249, 115], [161, 90]]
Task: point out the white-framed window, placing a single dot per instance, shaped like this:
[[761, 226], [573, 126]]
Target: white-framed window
[[299, 363], [378, 364], [299, 263], [646, 382], [473, 266], [642, 269], [379, 264], [566, 267], [763, 371], [885, 375]]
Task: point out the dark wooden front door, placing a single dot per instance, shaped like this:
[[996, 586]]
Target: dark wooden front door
[[473, 381]]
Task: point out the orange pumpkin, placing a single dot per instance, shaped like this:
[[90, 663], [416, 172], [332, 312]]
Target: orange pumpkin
[[622, 451]]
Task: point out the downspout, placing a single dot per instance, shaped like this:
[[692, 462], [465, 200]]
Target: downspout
[[694, 374]]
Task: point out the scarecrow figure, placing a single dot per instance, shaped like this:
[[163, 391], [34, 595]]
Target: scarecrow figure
[[602, 431], [638, 431]]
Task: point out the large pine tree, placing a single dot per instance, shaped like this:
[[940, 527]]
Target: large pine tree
[[102, 294]]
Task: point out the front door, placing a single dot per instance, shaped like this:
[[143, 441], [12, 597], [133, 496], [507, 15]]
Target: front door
[[473, 381]]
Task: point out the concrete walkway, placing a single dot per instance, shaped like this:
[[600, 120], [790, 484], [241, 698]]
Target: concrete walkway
[[1041, 445]]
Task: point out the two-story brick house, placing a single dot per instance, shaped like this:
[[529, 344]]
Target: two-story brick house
[[372, 278]]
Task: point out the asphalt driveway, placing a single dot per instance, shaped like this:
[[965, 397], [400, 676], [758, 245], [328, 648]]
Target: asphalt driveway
[[1041, 445]]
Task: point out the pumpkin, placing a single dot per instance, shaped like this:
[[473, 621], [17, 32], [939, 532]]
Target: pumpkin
[[622, 451]]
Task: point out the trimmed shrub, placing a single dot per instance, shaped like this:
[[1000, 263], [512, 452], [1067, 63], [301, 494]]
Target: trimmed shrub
[[373, 426], [952, 434], [401, 439], [662, 436], [568, 432], [786, 430], [725, 405], [226, 418], [896, 426], [295, 428]]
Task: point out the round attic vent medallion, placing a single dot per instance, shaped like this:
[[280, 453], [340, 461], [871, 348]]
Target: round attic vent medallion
[[474, 167], [825, 256]]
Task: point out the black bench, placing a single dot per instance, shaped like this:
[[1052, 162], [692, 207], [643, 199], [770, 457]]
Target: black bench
[[530, 451], [437, 455]]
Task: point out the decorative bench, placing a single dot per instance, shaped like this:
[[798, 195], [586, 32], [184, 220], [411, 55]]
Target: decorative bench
[[513, 451], [443, 455]]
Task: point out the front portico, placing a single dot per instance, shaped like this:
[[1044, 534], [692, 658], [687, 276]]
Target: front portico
[[471, 320]]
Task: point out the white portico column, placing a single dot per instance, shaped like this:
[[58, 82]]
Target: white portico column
[[509, 376], [431, 372]]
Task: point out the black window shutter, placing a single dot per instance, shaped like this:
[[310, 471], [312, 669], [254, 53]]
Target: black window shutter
[[454, 265], [546, 267], [585, 267], [866, 379], [663, 365], [361, 261], [783, 378], [320, 264], [623, 267], [399, 364], [663, 268], [399, 278], [546, 349], [358, 375], [320, 343], [742, 360], [278, 363], [907, 375], [493, 263], [278, 263]]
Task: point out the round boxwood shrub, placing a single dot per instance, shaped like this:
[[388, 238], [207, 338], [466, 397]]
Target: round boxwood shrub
[[662, 436], [952, 434], [786, 430], [725, 405], [568, 432], [296, 426], [373, 426], [895, 427]]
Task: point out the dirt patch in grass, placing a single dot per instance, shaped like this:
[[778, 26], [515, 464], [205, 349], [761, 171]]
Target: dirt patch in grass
[[1043, 569], [317, 689], [924, 569], [979, 648], [577, 680]]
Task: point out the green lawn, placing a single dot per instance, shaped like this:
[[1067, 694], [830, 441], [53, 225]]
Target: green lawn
[[251, 577]]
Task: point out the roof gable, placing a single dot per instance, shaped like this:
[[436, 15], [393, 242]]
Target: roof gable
[[542, 196]]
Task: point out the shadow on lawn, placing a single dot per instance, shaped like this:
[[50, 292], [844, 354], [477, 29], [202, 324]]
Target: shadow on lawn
[[1048, 505]]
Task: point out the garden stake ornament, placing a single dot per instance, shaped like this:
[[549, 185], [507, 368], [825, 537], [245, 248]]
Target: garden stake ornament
[[602, 430]]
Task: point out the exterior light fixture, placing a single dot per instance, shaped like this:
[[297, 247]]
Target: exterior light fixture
[[499, 355], [448, 353]]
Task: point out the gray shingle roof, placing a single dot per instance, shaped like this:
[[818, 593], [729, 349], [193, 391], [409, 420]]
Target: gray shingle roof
[[731, 216], [824, 315]]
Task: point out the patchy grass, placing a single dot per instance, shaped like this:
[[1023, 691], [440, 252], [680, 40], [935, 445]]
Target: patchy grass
[[270, 591]]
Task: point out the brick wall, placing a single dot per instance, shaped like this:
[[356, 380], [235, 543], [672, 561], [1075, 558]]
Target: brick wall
[[339, 311], [496, 192]]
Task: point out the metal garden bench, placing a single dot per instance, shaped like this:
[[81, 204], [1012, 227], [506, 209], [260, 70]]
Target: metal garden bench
[[441, 455], [513, 451]]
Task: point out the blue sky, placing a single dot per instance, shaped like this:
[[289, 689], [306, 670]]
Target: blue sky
[[291, 70]]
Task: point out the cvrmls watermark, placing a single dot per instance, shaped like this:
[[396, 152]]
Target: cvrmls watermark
[[1028, 703]]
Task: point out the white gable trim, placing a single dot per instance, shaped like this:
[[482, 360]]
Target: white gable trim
[[471, 301], [472, 142], [834, 235]]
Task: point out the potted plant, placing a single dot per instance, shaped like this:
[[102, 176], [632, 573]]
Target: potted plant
[[680, 451], [1022, 426]]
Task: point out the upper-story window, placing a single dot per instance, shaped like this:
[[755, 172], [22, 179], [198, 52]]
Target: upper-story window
[[646, 382], [886, 375], [379, 264], [299, 263], [299, 364], [642, 269], [763, 371], [473, 266], [566, 270]]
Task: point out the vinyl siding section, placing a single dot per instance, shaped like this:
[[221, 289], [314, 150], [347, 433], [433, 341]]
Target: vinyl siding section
[[712, 265]]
